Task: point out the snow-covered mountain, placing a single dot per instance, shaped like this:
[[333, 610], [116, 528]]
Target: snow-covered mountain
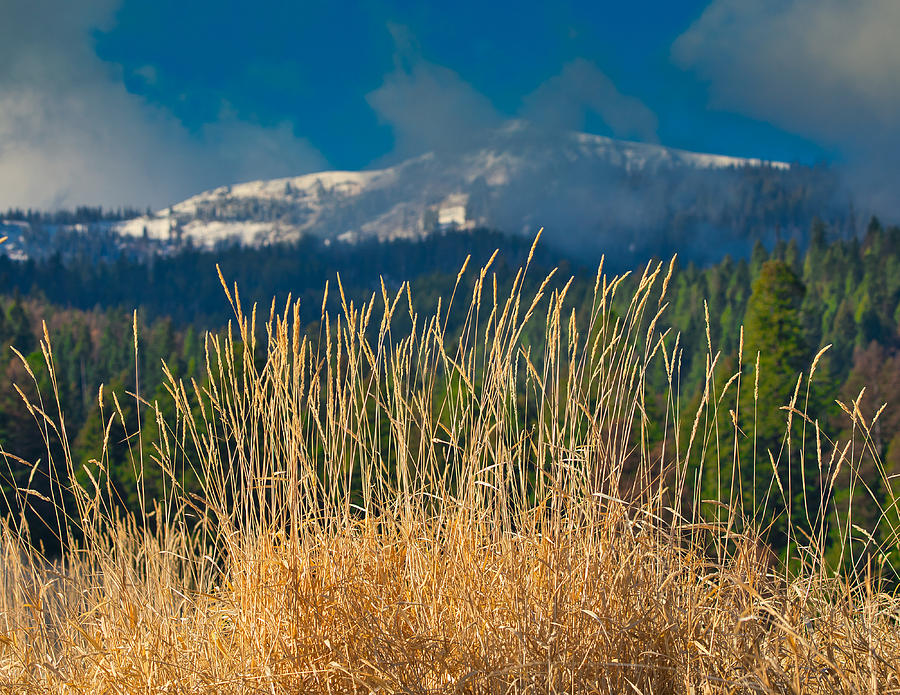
[[517, 179]]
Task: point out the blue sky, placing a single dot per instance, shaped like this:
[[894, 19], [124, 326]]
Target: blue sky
[[141, 102], [314, 64]]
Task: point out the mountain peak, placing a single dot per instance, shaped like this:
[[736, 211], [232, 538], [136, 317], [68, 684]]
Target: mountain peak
[[516, 179]]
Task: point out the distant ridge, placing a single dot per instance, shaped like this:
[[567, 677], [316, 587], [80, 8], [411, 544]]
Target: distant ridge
[[516, 179]]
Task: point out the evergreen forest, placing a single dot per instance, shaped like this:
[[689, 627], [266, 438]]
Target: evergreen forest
[[838, 291]]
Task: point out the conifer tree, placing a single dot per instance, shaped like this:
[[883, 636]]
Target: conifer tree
[[774, 330]]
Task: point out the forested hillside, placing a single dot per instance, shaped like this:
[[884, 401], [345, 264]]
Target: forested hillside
[[839, 292]]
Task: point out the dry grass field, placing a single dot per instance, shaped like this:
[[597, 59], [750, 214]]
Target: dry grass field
[[434, 513]]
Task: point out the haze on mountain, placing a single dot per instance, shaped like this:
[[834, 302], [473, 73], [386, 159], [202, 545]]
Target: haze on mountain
[[592, 194]]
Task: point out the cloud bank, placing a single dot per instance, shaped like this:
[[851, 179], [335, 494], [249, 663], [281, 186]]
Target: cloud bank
[[431, 107], [826, 69], [581, 88], [71, 133]]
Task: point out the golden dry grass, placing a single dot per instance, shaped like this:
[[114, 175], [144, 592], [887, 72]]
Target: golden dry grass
[[386, 513]]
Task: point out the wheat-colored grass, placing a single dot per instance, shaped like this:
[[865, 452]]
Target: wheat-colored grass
[[434, 512]]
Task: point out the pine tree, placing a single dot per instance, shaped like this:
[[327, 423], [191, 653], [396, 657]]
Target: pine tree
[[774, 330]]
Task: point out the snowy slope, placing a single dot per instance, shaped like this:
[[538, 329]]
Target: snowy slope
[[516, 179]]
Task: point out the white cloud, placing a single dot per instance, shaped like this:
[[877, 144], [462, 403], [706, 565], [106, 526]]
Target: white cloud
[[564, 101], [430, 107], [826, 69], [70, 133]]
